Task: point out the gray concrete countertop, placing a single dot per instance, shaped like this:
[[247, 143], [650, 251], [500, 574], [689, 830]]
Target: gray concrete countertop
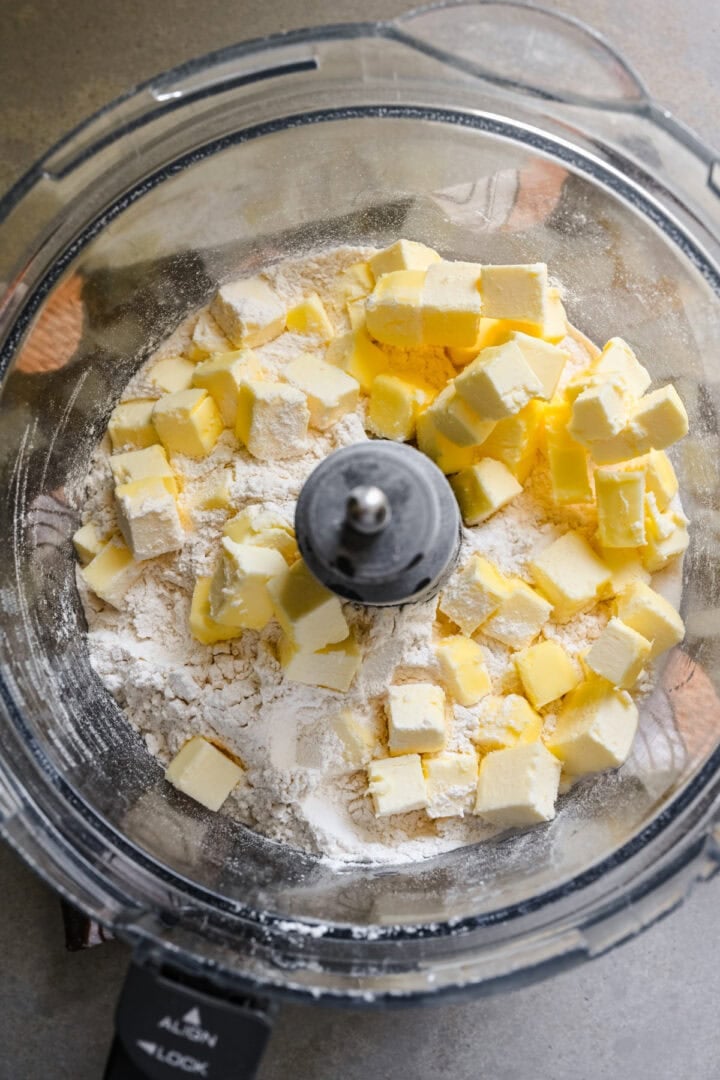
[[647, 1010]]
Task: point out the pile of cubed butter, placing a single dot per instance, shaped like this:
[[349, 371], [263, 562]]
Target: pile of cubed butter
[[484, 404]]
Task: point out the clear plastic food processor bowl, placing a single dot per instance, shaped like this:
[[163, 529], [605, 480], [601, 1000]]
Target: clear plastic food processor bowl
[[494, 132]]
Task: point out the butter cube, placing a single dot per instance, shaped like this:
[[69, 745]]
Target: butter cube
[[207, 338], [570, 575], [357, 735], [334, 666], [617, 362], [204, 773], [518, 786], [130, 425], [621, 447], [450, 302], [499, 383], [546, 672], [515, 292], [659, 419], [546, 360], [516, 439], [402, 255], [272, 420], [239, 592], [450, 778], [202, 625], [447, 455], [187, 422], [505, 721], [356, 282], [473, 594], [310, 614], [264, 528], [112, 572], [416, 719], [651, 615], [310, 317], [620, 505], [520, 617], [249, 312], [619, 655], [625, 566], [141, 465], [88, 542], [667, 538], [171, 374], [397, 785], [217, 495], [595, 728], [568, 461], [392, 311], [395, 405], [463, 671], [148, 517], [457, 421], [598, 414], [358, 355], [356, 314], [483, 489], [660, 478], [222, 377], [555, 327], [330, 392]]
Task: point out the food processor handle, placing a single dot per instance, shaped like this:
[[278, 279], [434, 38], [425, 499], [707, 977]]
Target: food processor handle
[[170, 1026]]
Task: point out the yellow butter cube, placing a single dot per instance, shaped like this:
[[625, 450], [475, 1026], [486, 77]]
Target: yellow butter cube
[[310, 317], [520, 617], [330, 392], [171, 374], [358, 355], [546, 672], [142, 464], [570, 575], [272, 419], [499, 383], [667, 538], [651, 615], [130, 425], [310, 614], [207, 338], [625, 566], [356, 314], [473, 594], [239, 593], [249, 312], [393, 312], [264, 528], [659, 419], [450, 779], [402, 255], [356, 282], [463, 671], [516, 439], [620, 505], [395, 405], [397, 785], [617, 362], [416, 719], [217, 494], [660, 478], [447, 455], [148, 517], [555, 327], [457, 421], [333, 667], [112, 572], [515, 292], [202, 625], [518, 786], [621, 447], [187, 422], [505, 721], [568, 460], [450, 302], [88, 542], [357, 735], [595, 728], [546, 360], [483, 489], [619, 654], [204, 773], [598, 414], [222, 377]]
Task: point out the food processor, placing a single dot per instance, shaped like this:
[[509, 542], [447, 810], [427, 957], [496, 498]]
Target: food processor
[[494, 132]]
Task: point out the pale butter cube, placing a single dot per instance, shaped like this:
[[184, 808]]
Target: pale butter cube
[[202, 625], [659, 419], [515, 292], [392, 311], [546, 360], [570, 575], [463, 670], [142, 464], [88, 542], [546, 672], [473, 594], [310, 614], [171, 374], [358, 355], [264, 528], [447, 455], [358, 737], [272, 420], [187, 422], [148, 517], [555, 327], [457, 421], [395, 405], [402, 255], [310, 317], [568, 460], [667, 539], [660, 478], [356, 314], [651, 615], [249, 312], [239, 593], [625, 566], [515, 440], [598, 414], [619, 655], [416, 719], [330, 392], [518, 786], [617, 362], [520, 617], [333, 667], [130, 425], [112, 572], [397, 785], [450, 779], [222, 377], [204, 773], [621, 447], [595, 728], [621, 507], [484, 489], [499, 383], [207, 338], [504, 721], [451, 305], [217, 494], [356, 282]]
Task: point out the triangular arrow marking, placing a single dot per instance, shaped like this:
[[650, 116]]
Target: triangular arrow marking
[[193, 1017], [148, 1047]]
